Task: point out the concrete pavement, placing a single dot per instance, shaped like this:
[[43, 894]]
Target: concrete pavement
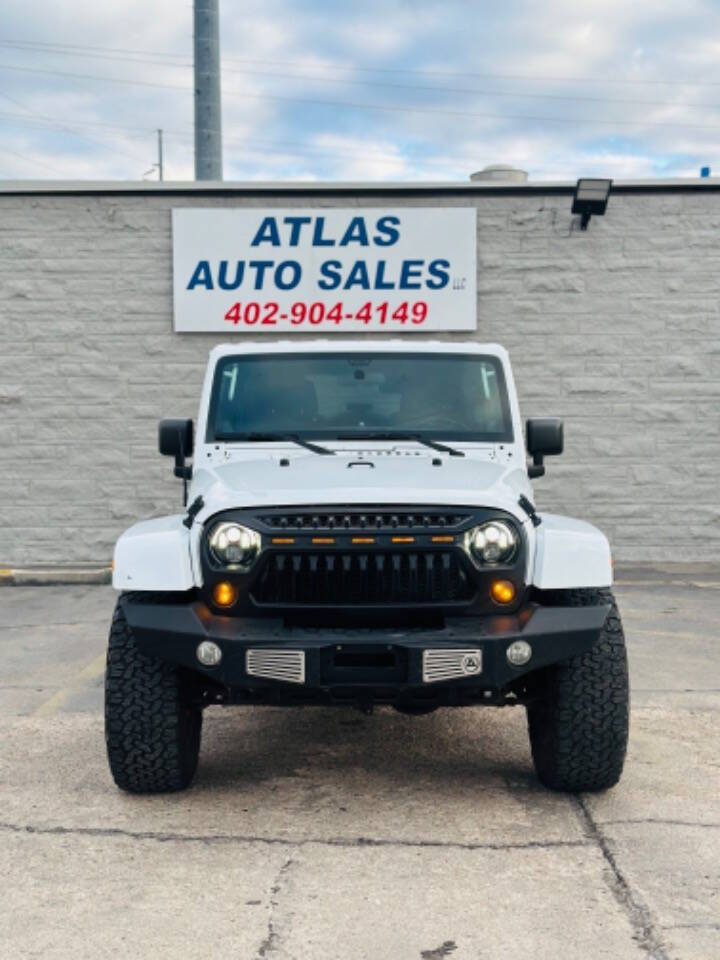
[[320, 833]]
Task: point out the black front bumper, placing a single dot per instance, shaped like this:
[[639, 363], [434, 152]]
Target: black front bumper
[[373, 663]]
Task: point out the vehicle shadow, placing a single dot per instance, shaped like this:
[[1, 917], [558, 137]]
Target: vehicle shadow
[[251, 746]]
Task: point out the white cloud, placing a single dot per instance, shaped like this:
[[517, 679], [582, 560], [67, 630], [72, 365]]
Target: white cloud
[[362, 159]]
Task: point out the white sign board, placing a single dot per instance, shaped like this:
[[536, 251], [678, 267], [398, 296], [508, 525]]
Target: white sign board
[[324, 270]]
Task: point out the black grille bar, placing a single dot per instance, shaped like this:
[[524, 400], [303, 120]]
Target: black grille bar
[[383, 577]]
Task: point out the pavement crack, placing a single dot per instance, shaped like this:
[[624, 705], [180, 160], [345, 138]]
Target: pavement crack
[[272, 937], [519, 845], [230, 838], [645, 932], [662, 822]]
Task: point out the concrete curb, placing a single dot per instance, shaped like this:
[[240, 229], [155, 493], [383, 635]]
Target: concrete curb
[[50, 576]]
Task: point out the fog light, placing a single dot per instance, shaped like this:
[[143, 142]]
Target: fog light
[[208, 653], [502, 591], [224, 594], [519, 652]]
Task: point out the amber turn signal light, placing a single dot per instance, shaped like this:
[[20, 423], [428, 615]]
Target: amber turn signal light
[[224, 594], [502, 591]]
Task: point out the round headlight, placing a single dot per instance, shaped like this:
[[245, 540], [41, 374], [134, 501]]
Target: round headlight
[[234, 545], [493, 542]]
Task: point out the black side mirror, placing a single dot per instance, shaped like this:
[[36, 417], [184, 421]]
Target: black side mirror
[[543, 438], [175, 439]]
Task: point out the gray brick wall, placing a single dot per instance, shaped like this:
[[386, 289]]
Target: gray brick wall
[[617, 330]]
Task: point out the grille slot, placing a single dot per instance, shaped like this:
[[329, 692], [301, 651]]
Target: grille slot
[[386, 520], [451, 664], [287, 665], [357, 578]]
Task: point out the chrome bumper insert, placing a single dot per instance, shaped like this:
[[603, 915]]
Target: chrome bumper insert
[[451, 664], [287, 665]]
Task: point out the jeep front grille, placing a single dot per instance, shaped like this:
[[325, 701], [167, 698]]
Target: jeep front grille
[[385, 520], [385, 577]]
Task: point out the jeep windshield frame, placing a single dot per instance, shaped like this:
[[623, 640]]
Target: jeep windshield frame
[[458, 397]]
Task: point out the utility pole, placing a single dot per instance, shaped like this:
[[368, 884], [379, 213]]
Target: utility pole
[[160, 155], [208, 126]]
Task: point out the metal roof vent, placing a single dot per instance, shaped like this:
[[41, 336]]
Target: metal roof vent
[[500, 173]]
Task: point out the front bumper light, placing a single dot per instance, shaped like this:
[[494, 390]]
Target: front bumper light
[[492, 542], [234, 546]]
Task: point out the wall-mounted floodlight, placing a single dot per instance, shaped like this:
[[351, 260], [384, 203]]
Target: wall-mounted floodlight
[[591, 197]]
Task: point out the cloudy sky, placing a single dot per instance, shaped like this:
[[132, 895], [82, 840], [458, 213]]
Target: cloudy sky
[[383, 89]]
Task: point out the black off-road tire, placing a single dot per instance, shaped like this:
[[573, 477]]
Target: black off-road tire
[[152, 728], [579, 723]]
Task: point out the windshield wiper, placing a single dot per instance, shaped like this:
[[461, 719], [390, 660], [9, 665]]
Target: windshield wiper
[[270, 437], [433, 444]]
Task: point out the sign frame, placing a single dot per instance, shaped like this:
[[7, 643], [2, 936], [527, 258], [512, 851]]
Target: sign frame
[[324, 270]]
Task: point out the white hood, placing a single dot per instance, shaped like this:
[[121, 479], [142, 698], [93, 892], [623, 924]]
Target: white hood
[[360, 478]]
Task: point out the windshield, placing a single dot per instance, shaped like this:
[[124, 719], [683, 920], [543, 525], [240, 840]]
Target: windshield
[[330, 395]]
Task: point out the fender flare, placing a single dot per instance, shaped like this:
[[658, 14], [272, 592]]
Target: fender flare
[[570, 553], [154, 555]]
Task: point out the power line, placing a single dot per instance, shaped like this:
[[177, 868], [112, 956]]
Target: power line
[[385, 85], [63, 127], [470, 91], [369, 106], [21, 119], [39, 163], [266, 146], [335, 66], [95, 77], [81, 46]]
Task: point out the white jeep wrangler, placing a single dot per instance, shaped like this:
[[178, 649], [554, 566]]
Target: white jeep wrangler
[[360, 529]]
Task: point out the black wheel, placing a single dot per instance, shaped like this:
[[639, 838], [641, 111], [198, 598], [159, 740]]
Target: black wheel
[[152, 729], [578, 723]]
